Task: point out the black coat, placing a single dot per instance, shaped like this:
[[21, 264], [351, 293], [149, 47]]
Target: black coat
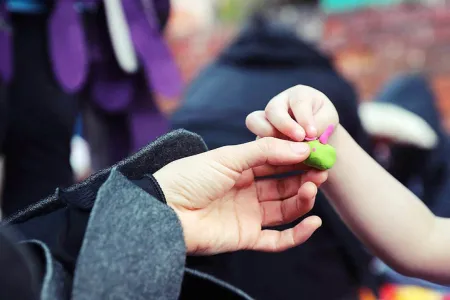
[[264, 60], [110, 237]]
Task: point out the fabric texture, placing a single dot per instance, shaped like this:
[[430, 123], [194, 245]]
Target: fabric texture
[[124, 244], [120, 238], [56, 282], [19, 276], [172, 146], [66, 213], [265, 59], [150, 185]]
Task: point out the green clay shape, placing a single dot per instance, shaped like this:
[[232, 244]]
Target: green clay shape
[[322, 156]]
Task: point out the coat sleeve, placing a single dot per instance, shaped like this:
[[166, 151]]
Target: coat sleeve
[[66, 221], [60, 220], [133, 246], [63, 230]]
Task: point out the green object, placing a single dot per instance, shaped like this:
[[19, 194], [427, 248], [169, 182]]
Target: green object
[[322, 156]]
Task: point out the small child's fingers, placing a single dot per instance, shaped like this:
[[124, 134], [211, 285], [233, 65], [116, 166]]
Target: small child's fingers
[[277, 113], [302, 109], [257, 123], [312, 110], [305, 102]]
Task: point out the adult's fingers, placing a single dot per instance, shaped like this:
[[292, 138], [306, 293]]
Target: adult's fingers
[[271, 151], [280, 189], [276, 241], [283, 212], [277, 113]]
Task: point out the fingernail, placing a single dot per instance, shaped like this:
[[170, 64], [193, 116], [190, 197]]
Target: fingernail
[[300, 135], [300, 148], [312, 130]]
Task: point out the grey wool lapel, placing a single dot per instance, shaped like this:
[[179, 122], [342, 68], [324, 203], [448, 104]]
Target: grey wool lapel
[[133, 247]]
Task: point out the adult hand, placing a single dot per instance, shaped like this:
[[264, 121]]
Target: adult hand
[[223, 208]]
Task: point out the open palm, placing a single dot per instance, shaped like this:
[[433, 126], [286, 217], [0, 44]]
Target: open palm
[[223, 208]]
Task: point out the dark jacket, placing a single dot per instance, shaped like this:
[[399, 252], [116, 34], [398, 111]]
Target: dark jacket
[[264, 60], [110, 237], [427, 172]]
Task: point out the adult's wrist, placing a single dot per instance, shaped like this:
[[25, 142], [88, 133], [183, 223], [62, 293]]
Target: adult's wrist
[[184, 218], [149, 184]]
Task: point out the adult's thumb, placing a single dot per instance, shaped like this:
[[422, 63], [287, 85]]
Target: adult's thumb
[[267, 150]]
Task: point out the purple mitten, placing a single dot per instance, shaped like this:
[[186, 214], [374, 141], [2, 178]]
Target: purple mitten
[[68, 46], [6, 53]]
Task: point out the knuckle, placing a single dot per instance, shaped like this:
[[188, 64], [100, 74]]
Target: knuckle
[[298, 87], [276, 102], [221, 154], [267, 143], [303, 90], [255, 122], [308, 93], [262, 144], [217, 154], [301, 98], [271, 110]]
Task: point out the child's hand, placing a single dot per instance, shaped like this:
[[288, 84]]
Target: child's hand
[[297, 113]]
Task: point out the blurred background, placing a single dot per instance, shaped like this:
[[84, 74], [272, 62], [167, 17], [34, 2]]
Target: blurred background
[[370, 40], [75, 106]]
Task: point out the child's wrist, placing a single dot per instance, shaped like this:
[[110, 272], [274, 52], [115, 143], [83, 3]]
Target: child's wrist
[[338, 140], [345, 149], [338, 137]]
